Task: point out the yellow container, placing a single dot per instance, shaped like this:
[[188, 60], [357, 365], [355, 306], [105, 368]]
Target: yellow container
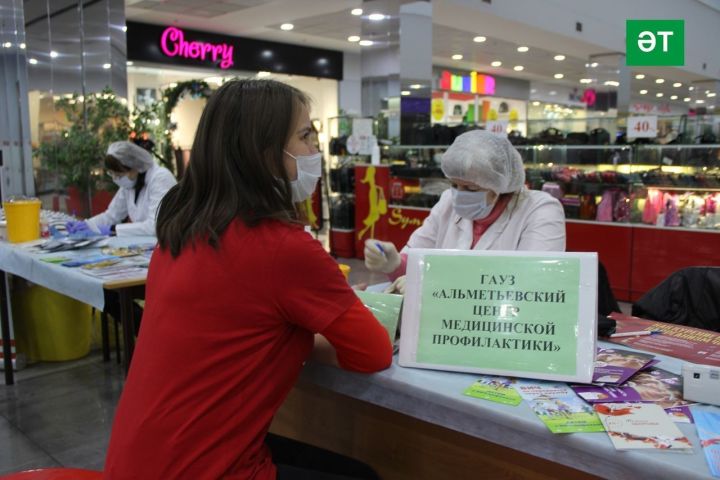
[[345, 269], [23, 220], [50, 327]]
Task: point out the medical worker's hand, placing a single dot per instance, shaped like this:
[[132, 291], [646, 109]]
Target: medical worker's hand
[[104, 229], [398, 286], [77, 227], [381, 256]]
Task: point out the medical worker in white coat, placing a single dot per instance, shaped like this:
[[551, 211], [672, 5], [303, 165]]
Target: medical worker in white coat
[[142, 184], [488, 208]]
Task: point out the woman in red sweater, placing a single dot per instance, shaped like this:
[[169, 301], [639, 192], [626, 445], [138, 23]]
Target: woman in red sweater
[[239, 296]]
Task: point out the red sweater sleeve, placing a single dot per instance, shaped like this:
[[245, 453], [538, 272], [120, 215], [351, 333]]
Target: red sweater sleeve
[[361, 343]]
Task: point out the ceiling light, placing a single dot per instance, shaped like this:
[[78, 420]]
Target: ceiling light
[[711, 94], [659, 94], [263, 74], [376, 17], [673, 97], [686, 99], [691, 88], [124, 28], [32, 61], [457, 56], [129, 63], [643, 92], [518, 68], [416, 86], [479, 39], [22, 46], [522, 49], [553, 92], [536, 103], [639, 76], [7, 44], [365, 43], [677, 84], [559, 58], [612, 83], [356, 11], [558, 76], [353, 38], [495, 63], [405, 92], [106, 66], [659, 80], [287, 26], [53, 54], [594, 64], [699, 101], [586, 80]]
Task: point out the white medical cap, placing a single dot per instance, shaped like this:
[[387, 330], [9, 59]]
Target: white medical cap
[[485, 159], [131, 155]]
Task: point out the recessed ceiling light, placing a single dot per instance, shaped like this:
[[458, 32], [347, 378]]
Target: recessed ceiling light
[[416, 86], [376, 17], [53, 54], [639, 76], [457, 56], [553, 92], [677, 84], [643, 92], [106, 66], [365, 43], [353, 38], [594, 64], [691, 88], [22, 46], [659, 94], [124, 28], [686, 99], [711, 94], [32, 61], [495, 63], [7, 44], [699, 101], [536, 103], [586, 80], [612, 83], [673, 97], [558, 76], [522, 49], [263, 74], [533, 90], [659, 80], [559, 58], [356, 11], [405, 92], [287, 26], [518, 68], [479, 39], [129, 63]]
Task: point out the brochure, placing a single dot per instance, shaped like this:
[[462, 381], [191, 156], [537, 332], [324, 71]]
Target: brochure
[[495, 389], [558, 407], [686, 343], [708, 427], [614, 366], [641, 426]]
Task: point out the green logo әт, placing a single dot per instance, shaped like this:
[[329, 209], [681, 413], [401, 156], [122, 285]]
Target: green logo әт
[[655, 43]]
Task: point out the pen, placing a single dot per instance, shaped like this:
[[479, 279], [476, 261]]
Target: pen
[[382, 250], [635, 334]]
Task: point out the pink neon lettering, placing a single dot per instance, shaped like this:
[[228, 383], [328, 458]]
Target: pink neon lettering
[[173, 44]]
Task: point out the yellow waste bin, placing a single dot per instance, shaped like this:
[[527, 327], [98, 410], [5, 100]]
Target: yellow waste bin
[[23, 219], [50, 327]]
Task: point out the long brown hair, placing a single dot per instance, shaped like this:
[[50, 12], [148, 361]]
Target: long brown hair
[[236, 167]]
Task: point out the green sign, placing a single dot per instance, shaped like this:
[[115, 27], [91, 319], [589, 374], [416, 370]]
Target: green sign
[[655, 43], [508, 313]]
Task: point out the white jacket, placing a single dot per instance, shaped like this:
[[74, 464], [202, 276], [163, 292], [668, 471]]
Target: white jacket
[[158, 180], [532, 220]]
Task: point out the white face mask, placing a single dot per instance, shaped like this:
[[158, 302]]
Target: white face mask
[[124, 182], [309, 168], [471, 205]]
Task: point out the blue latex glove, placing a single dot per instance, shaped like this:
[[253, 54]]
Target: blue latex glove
[[77, 227], [105, 229]]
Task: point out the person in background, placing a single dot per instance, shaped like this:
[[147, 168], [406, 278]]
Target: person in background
[[238, 297], [142, 184], [487, 208]]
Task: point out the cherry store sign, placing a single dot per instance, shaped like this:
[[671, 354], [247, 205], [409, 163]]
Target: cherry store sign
[[173, 44]]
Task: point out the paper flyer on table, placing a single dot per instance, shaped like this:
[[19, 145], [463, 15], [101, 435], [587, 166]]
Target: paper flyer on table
[[558, 407], [708, 427], [495, 389], [641, 426], [614, 365]]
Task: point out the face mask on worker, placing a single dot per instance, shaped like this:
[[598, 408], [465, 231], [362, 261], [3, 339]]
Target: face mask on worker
[[309, 168], [471, 205], [124, 182]]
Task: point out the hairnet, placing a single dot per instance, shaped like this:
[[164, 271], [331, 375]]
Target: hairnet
[[131, 155], [485, 159]]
